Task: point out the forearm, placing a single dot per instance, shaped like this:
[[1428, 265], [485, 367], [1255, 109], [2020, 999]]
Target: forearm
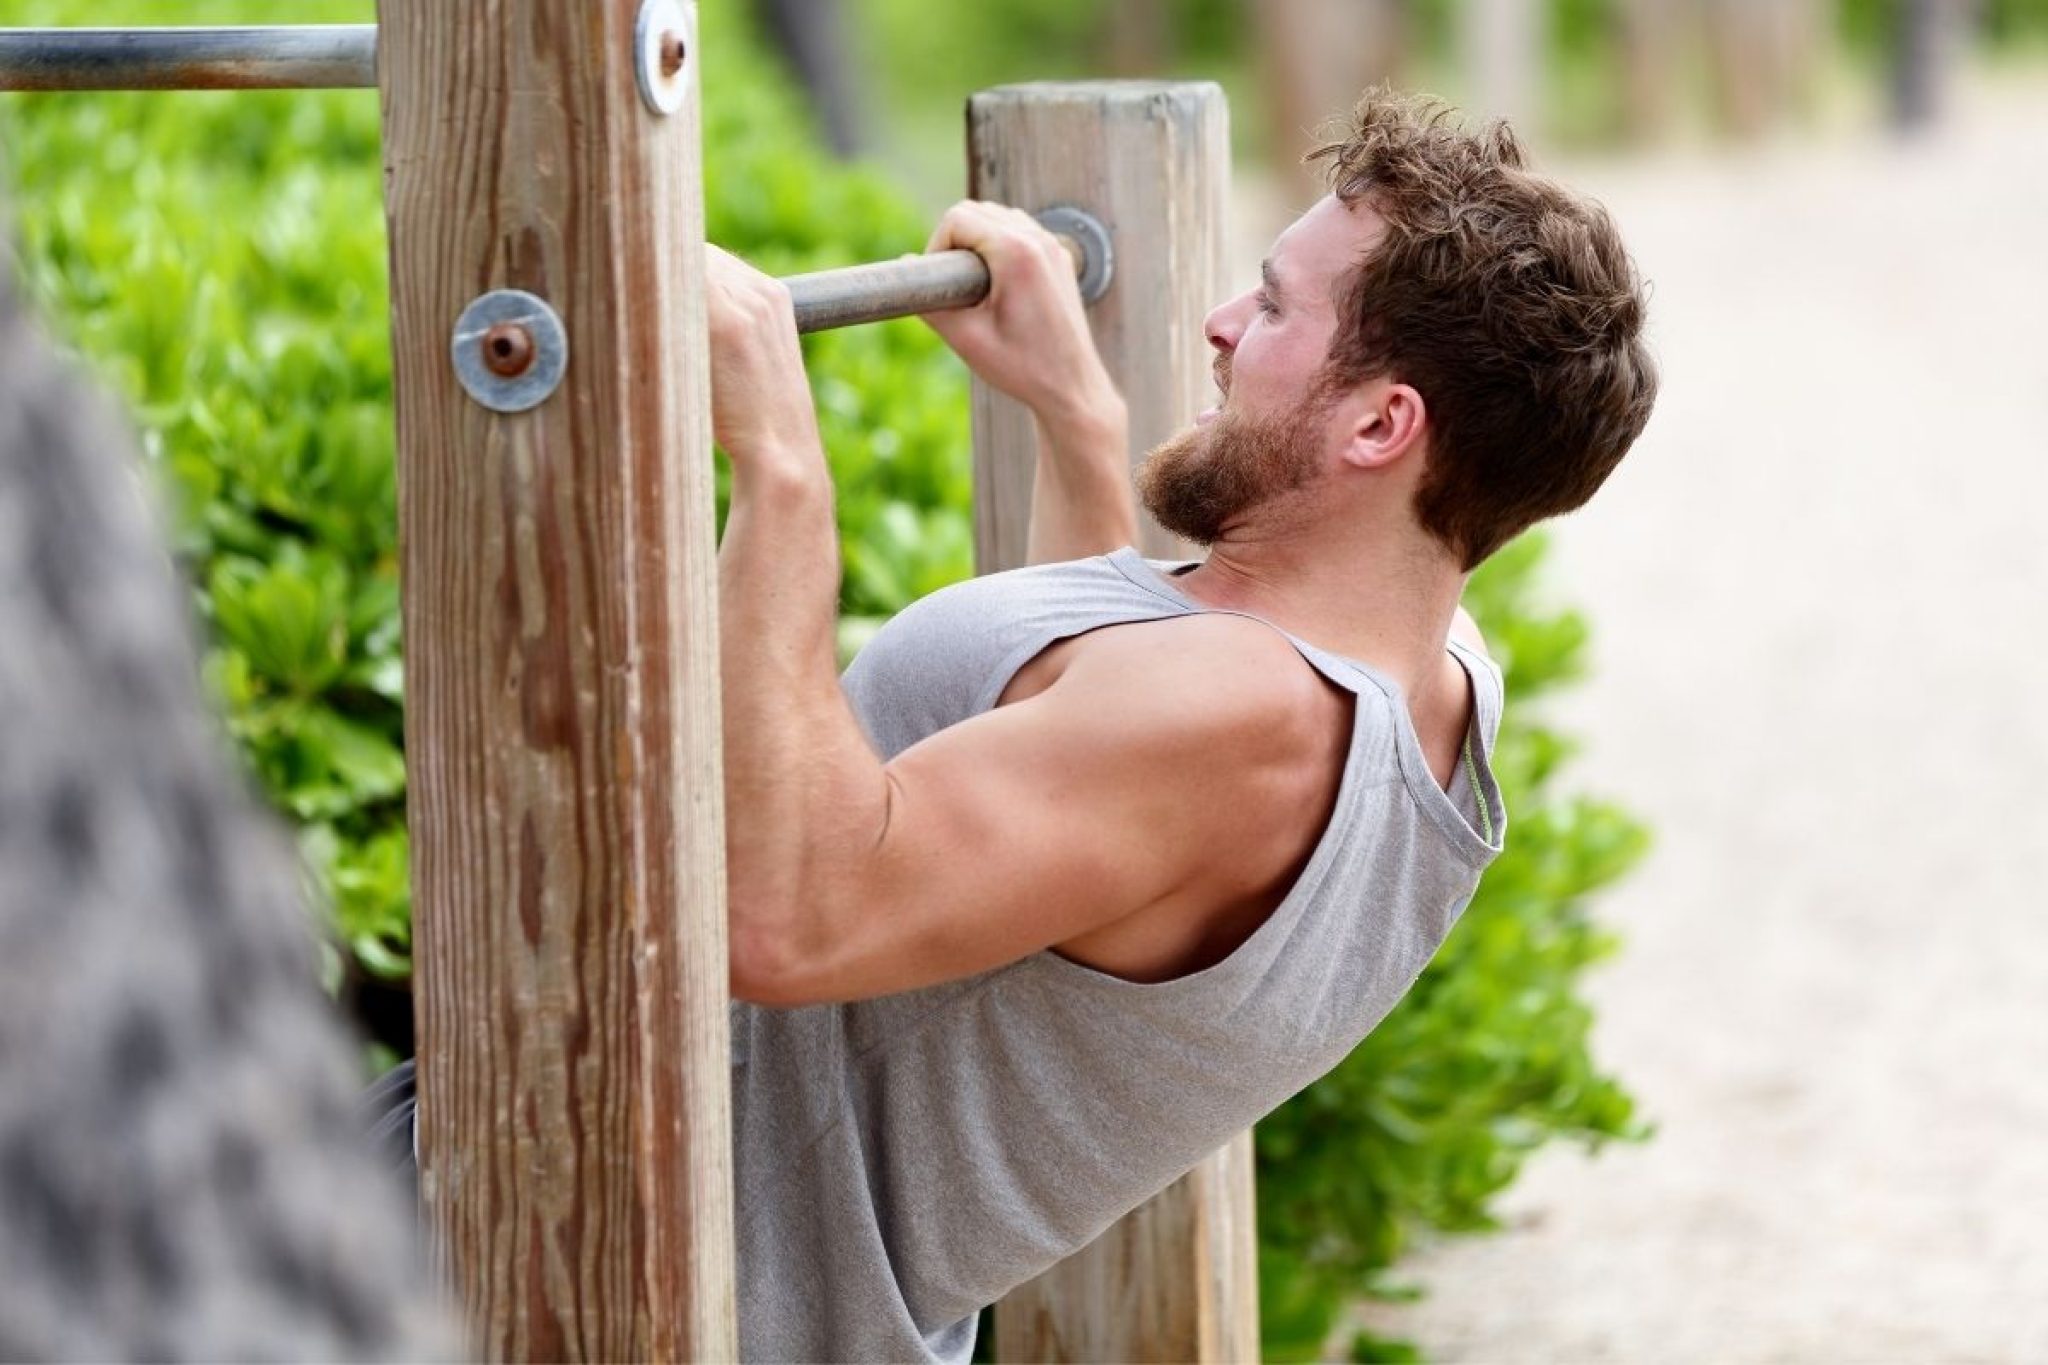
[[1081, 501], [803, 788]]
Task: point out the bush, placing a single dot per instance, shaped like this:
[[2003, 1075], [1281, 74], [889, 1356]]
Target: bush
[[1486, 1059], [220, 259]]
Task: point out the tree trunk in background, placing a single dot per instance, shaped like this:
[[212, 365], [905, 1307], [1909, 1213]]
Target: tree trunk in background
[[1317, 58], [1501, 43], [1805, 40], [1647, 33], [1763, 59], [1742, 63], [1140, 37], [811, 37], [1927, 39]]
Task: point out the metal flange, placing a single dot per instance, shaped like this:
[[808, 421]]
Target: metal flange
[[1098, 257], [510, 350], [662, 38]]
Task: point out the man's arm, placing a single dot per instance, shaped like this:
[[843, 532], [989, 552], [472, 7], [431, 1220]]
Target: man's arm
[[1168, 755], [1029, 338]]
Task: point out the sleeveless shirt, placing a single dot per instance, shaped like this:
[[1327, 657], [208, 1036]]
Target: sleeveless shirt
[[901, 1162]]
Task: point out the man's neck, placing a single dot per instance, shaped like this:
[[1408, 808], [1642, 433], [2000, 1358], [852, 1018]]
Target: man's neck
[[1381, 599]]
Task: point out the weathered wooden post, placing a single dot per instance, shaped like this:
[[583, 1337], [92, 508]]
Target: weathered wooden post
[[561, 670], [1177, 1279]]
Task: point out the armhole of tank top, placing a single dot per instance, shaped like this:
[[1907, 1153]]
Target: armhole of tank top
[[1465, 787], [1488, 693]]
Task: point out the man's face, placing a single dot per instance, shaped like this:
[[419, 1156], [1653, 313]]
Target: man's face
[[1272, 430]]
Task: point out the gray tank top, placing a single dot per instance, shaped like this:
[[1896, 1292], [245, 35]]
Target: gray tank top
[[901, 1162]]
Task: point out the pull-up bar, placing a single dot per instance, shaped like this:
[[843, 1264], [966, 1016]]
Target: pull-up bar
[[345, 56], [299, 57], [944, 279]]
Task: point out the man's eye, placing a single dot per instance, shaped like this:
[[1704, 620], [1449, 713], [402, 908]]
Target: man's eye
[[1266, 305]]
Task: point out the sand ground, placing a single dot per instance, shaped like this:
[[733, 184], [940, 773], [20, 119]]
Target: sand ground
[[1818, 592]]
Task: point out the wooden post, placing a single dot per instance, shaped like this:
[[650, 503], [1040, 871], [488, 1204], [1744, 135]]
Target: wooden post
[[1177, 1279], [561, 684]]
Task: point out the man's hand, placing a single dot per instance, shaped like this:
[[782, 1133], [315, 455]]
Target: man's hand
[[761, 412], [1029, 339]]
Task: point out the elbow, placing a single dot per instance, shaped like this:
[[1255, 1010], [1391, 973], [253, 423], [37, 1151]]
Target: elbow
[[782, 959], [794, 926], [764, 964]]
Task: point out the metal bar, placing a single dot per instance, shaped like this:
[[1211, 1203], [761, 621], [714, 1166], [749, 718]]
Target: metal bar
[[307, 57], [887, 289], [926, 284]]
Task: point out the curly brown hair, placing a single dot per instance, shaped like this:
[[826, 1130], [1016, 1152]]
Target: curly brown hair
[[1504, 299]]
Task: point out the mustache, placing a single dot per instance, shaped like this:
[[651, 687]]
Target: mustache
[[1221, 370]]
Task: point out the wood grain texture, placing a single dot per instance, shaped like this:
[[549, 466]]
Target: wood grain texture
[[1151, 161], [1176, 1280], [562, 690]]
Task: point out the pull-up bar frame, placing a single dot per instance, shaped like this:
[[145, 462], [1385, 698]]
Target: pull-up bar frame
[[344, 56], [561, 658]]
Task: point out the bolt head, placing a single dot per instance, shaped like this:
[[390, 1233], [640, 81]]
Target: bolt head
[[672, 52], [508, 350]]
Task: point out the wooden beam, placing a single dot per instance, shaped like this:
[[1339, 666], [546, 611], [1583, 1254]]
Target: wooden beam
[[1151, 161], [1175, 1280], [562, 687]]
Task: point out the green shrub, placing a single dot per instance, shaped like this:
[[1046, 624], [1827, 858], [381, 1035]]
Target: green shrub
[[220, 259], [1486, 1059]]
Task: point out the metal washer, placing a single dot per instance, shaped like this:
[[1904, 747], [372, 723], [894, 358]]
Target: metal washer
[[1098, 258], [550, 350], [663, 93]]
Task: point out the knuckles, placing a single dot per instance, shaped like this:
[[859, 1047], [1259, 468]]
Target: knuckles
[[747, 304]]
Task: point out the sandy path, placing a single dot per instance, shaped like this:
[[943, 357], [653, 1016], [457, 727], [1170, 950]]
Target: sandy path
[[1818, 591]]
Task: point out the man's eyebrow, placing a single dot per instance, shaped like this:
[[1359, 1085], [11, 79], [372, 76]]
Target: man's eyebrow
[[1270, 276]]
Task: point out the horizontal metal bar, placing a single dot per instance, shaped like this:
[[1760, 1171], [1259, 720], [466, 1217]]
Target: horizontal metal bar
[[306, 57], [931, 283], [887, 289]]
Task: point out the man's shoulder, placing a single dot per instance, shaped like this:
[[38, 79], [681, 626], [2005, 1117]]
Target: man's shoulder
[[1251, 662], [1212, 678]]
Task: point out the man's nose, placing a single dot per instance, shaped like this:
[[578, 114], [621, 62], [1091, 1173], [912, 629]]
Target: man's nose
[[1225, 324]]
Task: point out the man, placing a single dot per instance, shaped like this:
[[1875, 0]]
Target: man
[[1084, 867]]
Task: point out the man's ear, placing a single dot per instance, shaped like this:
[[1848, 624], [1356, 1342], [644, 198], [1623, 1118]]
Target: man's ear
[[1388, 423]]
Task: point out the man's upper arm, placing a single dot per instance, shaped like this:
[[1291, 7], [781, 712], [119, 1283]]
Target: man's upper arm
[[1166, 752]]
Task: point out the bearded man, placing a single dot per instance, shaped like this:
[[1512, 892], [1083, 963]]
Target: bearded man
[[1082, 868]]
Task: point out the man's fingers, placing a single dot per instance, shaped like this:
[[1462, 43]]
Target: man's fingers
[[970, 223], [998, 231], [740, 299]]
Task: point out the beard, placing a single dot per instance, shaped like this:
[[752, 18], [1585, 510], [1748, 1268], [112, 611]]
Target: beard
[[1198, 483]]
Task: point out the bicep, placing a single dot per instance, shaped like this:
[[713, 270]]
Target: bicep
[[1005, 834], [1132, 777]]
